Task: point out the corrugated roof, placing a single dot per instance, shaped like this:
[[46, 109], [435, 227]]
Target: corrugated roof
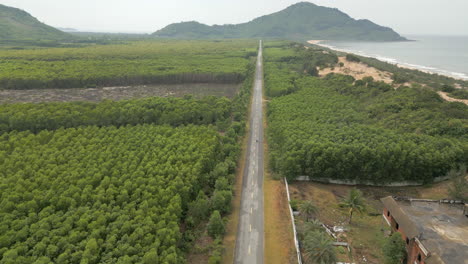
[[405, 224]]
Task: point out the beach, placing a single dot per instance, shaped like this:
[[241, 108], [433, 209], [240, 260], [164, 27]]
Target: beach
[[430, 55]]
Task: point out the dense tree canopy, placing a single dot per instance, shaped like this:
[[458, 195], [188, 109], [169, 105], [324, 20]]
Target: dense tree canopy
[[101, 194], [155, 110], [139, 62], [339, 128]]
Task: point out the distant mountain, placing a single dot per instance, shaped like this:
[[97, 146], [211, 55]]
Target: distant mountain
[[301, 21], [16, 24]]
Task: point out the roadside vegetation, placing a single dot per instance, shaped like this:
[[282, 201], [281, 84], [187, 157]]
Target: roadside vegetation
[[365, 131]]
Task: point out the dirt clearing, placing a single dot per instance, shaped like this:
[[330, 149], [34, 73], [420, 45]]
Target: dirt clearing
[[358, 71], [450, 99], [117, 93]]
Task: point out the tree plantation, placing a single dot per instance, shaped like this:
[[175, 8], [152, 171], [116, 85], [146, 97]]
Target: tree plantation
[[109, 194], [139, 62], [154, 110], [131, 181], [366, 131]]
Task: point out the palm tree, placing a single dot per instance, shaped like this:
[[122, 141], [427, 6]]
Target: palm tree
[[305, 228], [354, 202], [318, 249], [308, 209]]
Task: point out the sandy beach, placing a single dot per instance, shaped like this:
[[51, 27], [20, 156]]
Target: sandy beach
[[320, 43]]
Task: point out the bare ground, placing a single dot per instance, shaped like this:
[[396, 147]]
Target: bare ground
[[358, 71], [117, 93]]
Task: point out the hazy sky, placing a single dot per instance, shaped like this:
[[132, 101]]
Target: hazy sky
[[446, 17]]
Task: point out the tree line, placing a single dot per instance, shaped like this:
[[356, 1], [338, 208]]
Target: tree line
[[153, 110], [130, 63]]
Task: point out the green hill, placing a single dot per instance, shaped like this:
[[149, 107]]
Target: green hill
[[301, 21], [16, 24]]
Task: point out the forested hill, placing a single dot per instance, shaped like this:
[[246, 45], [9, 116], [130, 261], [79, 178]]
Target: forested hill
[[301, 21], [16, 24]]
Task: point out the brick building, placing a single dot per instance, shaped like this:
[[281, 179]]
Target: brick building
[[434, 233]]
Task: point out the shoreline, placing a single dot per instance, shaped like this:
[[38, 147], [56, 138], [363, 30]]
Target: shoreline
[[422, 68]]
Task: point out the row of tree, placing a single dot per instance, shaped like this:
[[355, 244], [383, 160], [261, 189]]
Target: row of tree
[[140, 62], [153, 110]]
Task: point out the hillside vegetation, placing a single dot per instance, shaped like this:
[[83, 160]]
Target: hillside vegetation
[[366, 131], [301, 21], [16, 24], [139, 62]]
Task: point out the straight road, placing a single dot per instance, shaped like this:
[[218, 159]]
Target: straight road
[[249, 242]]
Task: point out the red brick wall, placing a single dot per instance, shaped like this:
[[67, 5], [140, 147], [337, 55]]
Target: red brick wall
[[412, 247], [413, 254]]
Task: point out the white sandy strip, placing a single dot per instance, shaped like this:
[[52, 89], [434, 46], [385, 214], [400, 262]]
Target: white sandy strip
[[400, 65]]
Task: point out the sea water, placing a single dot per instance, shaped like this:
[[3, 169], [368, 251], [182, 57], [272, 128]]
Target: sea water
[[446, 55]]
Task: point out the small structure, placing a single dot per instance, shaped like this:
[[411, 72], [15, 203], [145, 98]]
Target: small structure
[[435, 233]]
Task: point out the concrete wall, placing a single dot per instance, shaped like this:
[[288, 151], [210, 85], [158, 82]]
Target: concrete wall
[[369, 183]]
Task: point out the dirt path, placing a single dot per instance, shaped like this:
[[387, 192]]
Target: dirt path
[[450, 99]]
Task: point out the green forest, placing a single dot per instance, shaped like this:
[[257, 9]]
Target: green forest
[[131, 181], [130, 63], [101, 195], [340, 128]]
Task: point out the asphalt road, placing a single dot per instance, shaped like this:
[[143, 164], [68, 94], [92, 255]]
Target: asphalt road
[[250, 235]]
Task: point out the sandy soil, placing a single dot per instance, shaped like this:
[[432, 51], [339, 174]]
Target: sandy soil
[[450, 99], [315, 41], [358, 71], [117, 93]]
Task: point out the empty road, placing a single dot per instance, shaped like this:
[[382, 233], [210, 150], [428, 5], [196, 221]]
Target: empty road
[[249, 242]]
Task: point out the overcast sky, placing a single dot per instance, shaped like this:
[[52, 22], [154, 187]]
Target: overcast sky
[[445, 17]]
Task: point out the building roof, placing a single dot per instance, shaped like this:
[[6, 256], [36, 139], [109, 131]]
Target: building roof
[[443, 228], [408, 227], [434, 259]]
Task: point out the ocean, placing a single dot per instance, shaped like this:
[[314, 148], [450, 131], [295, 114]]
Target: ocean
[[446, 55]]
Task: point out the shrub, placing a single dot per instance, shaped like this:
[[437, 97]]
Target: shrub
[[394, 249], [447, 88], [352, 58], [400, 78], [294, 204]]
